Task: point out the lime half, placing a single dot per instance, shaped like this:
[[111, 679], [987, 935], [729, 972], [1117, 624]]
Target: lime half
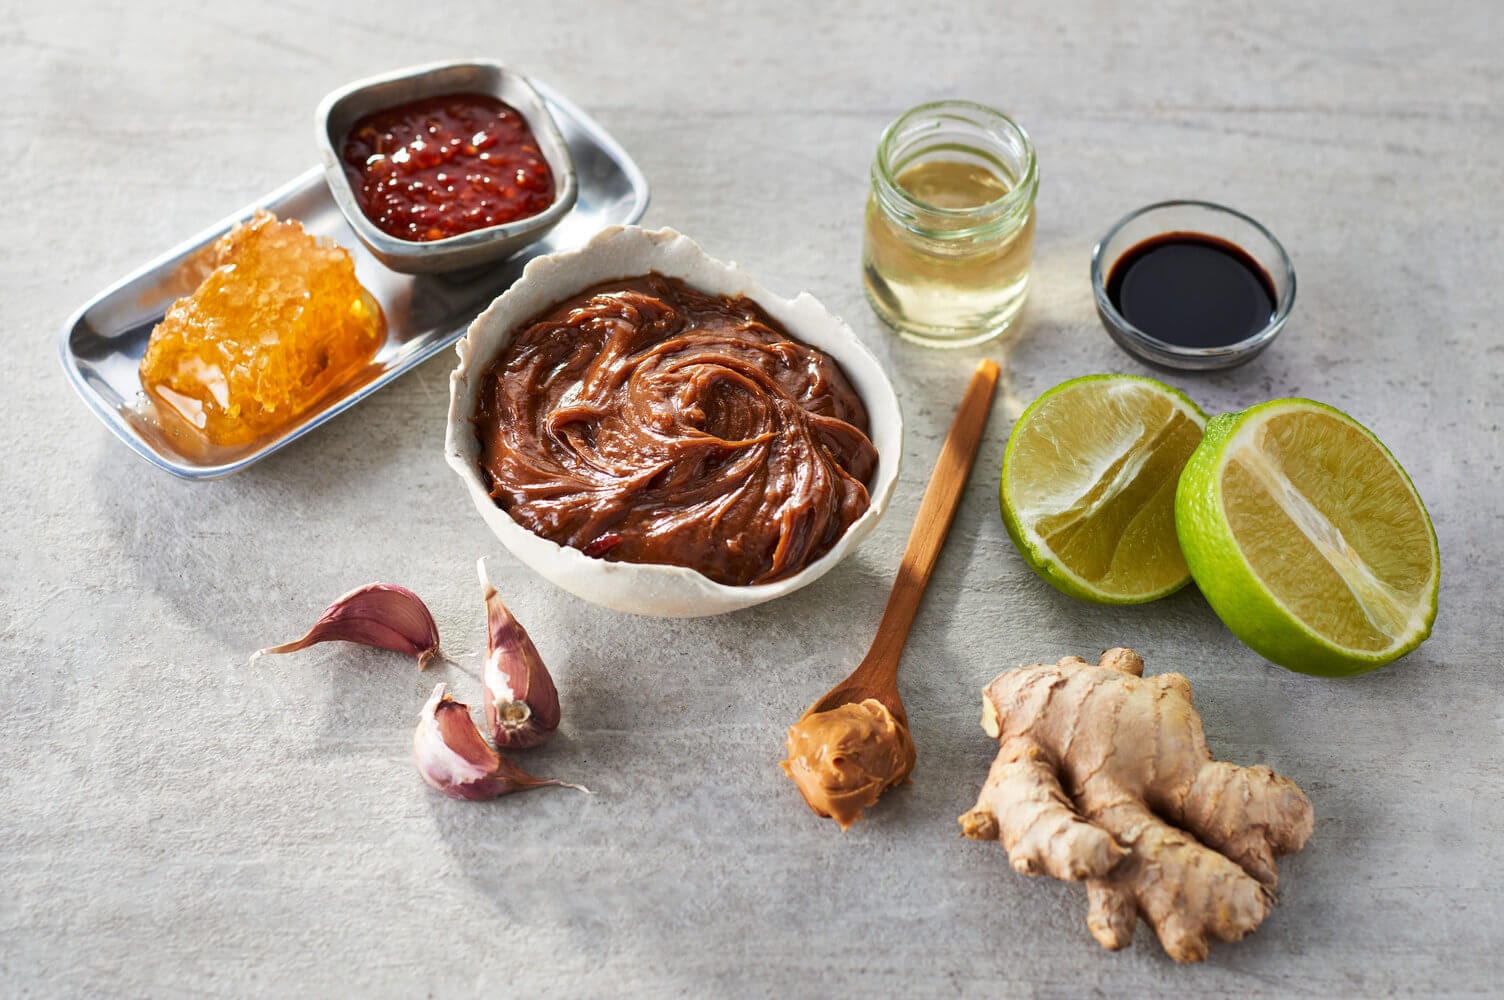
[[1088, 489], [1308, 539]]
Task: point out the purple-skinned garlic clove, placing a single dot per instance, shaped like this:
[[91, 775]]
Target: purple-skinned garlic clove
[[379, 614], [454, 758], [522, 704]]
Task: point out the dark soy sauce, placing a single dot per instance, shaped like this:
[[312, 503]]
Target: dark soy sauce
[[1192, 290]]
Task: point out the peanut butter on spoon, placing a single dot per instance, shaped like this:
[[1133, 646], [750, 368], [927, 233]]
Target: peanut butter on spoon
[[843, 759], [854, 744]]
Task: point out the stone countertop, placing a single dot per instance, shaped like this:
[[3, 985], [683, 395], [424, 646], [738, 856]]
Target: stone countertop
[[179, 823]]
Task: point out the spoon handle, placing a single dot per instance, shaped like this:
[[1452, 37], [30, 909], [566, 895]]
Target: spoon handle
[[932, 523]]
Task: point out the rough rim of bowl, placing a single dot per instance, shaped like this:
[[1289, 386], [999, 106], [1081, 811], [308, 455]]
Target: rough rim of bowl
[[463, 249], [627, 251]]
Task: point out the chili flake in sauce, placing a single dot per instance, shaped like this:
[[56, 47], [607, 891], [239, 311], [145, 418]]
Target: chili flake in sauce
[[442, 166]]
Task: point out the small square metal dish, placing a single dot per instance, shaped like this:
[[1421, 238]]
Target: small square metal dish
[[101, 345], [340, 110]]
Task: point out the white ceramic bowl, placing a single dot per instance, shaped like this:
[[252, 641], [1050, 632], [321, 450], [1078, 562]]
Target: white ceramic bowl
[[620, 252]]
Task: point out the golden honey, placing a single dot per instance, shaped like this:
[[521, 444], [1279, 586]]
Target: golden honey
[[278, 322]]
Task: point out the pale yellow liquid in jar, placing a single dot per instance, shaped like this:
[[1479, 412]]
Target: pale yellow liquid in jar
[[947, 288]]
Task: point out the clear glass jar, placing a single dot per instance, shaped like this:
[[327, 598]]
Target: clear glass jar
[[950, 224]]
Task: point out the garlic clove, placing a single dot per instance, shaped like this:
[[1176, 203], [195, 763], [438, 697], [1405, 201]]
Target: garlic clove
[[522, 704], [379, 614], [454, 758]]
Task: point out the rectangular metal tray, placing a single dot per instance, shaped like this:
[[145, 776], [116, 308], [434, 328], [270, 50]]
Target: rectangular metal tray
[[101, 345]]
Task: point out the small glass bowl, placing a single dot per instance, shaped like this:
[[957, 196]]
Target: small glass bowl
[[1167, 217]]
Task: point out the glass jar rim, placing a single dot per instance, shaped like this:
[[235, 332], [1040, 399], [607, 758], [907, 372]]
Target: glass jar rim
[[1022, 191]]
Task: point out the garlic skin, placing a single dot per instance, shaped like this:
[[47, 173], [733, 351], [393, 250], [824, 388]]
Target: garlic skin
[[454, 758], [379, 614], [522, 704]]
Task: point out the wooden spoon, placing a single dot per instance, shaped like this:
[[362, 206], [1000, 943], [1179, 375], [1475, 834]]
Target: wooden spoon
[[877, 675]]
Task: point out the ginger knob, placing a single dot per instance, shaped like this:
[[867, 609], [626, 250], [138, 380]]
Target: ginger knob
[[1103, 776]]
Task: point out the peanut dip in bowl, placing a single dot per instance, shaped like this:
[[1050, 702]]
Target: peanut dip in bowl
[[655, 432]]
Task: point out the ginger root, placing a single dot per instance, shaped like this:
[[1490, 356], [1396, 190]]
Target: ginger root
[[1103, 776]]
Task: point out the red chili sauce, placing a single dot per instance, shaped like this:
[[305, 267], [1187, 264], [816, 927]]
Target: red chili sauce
[[442, 166]]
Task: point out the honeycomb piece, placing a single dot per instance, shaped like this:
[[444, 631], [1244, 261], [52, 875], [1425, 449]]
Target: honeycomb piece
[[277, 323]]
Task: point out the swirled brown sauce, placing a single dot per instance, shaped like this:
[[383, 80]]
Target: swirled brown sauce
[[645, 421]]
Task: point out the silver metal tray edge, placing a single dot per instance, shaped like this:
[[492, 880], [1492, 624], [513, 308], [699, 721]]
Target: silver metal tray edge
[[396, 363]]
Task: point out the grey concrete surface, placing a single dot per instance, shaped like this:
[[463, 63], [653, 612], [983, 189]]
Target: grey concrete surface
[[174, 822]]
